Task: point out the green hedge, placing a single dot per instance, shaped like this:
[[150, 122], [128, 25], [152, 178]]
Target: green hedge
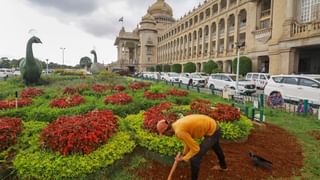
[[171, 145], [245, 65], [210, 66], [166, 68], [33, 162], [176, 68], [190, 67], [236, 130], [159, 68], [153, 142]]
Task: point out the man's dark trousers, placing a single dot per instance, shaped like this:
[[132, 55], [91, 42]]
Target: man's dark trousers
[[209, 142]]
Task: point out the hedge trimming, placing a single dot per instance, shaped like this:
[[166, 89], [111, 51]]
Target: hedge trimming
[[33, 162]]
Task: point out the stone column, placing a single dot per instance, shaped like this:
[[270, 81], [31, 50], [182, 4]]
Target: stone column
[[236, 29], [226, 26], [290, 12], [225, 66], [209, 41]]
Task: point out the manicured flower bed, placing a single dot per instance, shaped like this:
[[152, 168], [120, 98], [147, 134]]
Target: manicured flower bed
[[139, 85], [31, 92], [35, 163], [70, 90], [9, 104], [201, 106], [67, 102], [225, 113], [176, 92], [119, 99], [9, 129], [154, 96], [98, 88], [153, 115], [119, 88], [79, 134]]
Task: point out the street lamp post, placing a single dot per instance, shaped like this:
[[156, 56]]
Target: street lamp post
[[47, 66], [238, 46], [63, 49]]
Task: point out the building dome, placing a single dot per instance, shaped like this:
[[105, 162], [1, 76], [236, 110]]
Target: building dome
[[160, 7], [148, 17]]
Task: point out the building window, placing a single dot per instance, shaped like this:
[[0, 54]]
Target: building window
[[265, 24], [149, 59], [309, 10], [201, 16]]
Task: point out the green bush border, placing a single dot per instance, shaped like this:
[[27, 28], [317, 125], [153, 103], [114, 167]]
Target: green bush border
[[33, 162]]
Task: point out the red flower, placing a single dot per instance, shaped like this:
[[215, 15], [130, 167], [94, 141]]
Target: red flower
[[70, 90], [139, 85], [154, 114], [31, 92], [200, 106], [120, 98], [98, 88], [67, 102], [9, 129], [153, 96], [79, 134], [175, 92], [119, 88], [224, 112], [9, 104]]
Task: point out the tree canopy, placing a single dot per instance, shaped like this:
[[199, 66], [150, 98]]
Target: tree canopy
[[245, 65]]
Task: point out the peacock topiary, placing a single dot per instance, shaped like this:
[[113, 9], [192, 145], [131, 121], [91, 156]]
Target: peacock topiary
[[96, 67], [30, 67]]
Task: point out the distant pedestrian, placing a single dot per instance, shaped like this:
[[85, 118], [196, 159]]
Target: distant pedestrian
[[301, 107]]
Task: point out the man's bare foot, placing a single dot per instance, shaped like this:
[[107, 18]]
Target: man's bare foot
[[218, 168]]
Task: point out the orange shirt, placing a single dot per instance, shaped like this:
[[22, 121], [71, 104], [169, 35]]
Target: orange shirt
[[190, 127]]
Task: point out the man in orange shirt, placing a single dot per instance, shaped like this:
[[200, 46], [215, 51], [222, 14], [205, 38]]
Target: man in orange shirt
[[196, 126]]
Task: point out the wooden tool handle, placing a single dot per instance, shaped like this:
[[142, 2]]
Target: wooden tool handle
[[174, 166]]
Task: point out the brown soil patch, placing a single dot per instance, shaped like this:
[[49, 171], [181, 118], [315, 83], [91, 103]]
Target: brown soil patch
[[272, 143], [315, 134]]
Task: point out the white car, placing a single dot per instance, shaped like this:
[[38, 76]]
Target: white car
[[259, 79], [295, 87], [221, 81], [5, 72], [194, 78], [171, 77]]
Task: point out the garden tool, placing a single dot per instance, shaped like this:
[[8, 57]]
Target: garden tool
[[174, 166]]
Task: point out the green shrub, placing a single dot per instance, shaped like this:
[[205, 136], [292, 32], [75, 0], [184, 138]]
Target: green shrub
[[159, 68], [245, 65], [176, 68], [236, 130], [166, 68], [209, 67], [189, 67], [153, 142], [36, 163]]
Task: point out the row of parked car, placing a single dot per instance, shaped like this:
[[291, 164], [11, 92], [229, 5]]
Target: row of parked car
[[290, 87]]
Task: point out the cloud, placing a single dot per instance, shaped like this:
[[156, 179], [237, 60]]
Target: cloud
[[100, 17], [69, 6]]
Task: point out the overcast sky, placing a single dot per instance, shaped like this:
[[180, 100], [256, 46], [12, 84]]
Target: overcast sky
[[77, 25]]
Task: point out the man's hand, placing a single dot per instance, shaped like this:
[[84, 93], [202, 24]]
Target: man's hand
[[179, 158]]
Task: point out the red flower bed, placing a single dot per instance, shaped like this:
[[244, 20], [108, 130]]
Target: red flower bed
[[153, 96], [200, 106], [9, 104], [227, 113], [154, 114], [83, 87], [120, 98], [139, 85], [9, 129], [176, 92], [119, 88], [79, 134], [69, 90], [98, 88], [67, 102], [31, 92]]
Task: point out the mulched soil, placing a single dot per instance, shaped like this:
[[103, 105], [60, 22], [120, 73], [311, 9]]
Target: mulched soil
[[315, 134], [270, 142]]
